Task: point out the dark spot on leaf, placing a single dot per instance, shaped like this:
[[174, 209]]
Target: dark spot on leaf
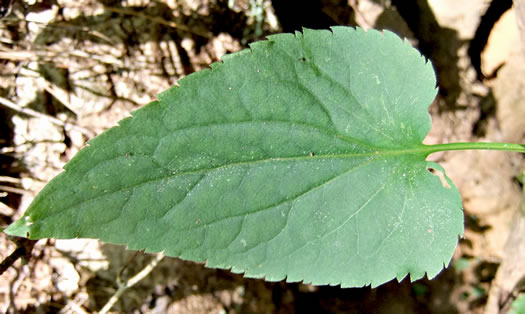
[[302, 59], [441, 176]]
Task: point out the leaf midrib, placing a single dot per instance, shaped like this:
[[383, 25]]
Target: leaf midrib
[[387, 153]]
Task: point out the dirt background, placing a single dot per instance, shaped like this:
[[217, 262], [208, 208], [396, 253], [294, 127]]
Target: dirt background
[[71, 69]]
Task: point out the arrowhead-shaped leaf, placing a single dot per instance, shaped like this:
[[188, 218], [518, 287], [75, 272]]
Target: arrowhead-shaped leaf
[[299, 158]]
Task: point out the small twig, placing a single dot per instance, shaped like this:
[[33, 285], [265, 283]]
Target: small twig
[[60, 94], [123, 286], [49, 54], [11, 307], [158, 20], [10, 179], [74, 306], [11, 189], [6, 210], [30, 112], [17, 55], [23, 249]]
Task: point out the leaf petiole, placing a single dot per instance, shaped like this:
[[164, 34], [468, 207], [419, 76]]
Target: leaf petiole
[[475, 145]]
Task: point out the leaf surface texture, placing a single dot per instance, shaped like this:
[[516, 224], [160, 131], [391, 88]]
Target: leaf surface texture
[[300, 158]]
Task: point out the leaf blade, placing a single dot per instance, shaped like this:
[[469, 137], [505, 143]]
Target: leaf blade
[[277, 163]]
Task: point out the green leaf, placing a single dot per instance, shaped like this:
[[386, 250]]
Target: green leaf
[[300, 158]]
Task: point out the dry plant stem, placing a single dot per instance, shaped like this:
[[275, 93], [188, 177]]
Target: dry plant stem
[[73, 306], [6, 210], [11, 306], [23, 249], [10, 189], [159, 21], [10, 179], [122, 287], [60, 94], [36, 114], [48, 54]]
